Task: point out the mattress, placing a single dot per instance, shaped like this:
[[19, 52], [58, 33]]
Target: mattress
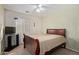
[[48, 41]]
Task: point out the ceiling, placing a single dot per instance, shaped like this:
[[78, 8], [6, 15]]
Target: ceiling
[[30, 8]]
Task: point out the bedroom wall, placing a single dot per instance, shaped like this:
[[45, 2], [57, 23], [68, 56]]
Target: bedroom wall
[[9, 18], [66, 16], [1, 26]]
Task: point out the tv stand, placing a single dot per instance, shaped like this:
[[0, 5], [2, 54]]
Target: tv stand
[[10, 43]]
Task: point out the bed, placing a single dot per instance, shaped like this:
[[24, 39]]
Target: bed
[[40, 44]]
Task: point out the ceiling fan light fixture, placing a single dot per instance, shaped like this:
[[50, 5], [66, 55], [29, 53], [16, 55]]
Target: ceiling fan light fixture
[[37, 10], [40, 5]]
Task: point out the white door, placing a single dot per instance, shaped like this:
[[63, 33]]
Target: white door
[[35, 25], [20, 29]]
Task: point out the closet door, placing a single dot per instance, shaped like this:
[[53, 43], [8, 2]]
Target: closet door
[[20, 29], [35, 25], [26, 25], [38, 25], [32, 26]]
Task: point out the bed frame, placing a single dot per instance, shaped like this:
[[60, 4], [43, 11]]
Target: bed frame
[[32, 45]]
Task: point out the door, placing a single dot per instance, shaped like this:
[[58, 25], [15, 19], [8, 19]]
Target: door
[[20, 29]]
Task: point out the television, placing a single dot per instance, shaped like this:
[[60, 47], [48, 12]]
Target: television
[[10, 30]]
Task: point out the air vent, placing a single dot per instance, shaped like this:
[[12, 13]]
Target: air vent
[[15, 18], [27, 11]]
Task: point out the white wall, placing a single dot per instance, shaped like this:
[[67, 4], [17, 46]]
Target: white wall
[[9, 18], [1, 26], [66, 16]]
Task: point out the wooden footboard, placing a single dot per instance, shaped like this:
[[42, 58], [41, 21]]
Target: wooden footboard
[[32, 45], [37, 48]]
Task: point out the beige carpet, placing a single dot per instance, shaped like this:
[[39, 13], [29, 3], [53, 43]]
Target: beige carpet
[[18, 51], [63, 51], [21, 51]]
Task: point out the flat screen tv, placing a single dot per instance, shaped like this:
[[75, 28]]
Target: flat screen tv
[[10, 30]]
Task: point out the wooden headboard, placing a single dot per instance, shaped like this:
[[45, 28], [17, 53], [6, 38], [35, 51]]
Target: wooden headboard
[[57, 32]]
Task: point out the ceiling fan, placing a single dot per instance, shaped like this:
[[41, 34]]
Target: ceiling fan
[[40, 7]]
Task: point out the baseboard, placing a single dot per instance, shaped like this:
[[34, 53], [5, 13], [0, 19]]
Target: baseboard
[[72, 49], [2, 53]]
